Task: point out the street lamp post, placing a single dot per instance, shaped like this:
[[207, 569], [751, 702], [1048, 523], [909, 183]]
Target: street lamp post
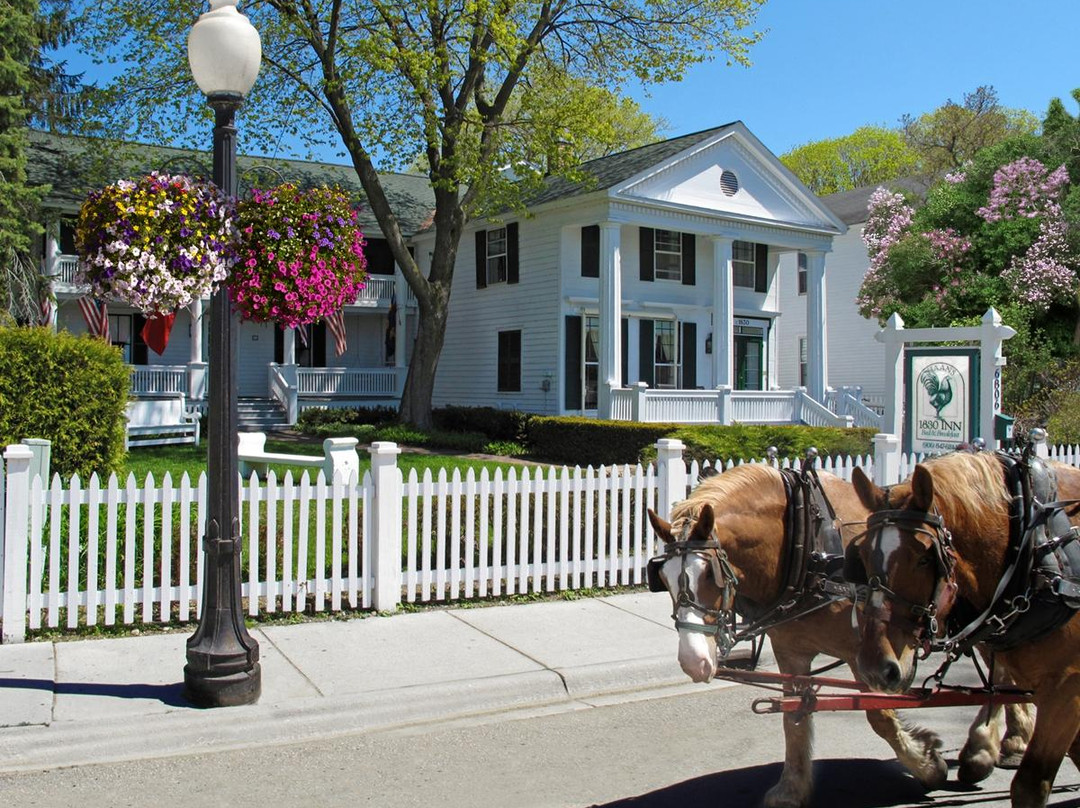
[[222, 658]]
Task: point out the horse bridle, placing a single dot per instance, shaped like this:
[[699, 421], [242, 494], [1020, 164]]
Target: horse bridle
[[871, 586], [724, 626]]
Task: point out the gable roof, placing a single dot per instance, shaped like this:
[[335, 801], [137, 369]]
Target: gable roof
[[606, 172], [74, 165], [850, 206]]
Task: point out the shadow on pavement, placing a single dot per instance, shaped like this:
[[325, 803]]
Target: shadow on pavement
[[859, 783], [166, 694]]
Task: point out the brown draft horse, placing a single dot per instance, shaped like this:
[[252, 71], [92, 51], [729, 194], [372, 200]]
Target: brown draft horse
[[969, 493], [744, 510]]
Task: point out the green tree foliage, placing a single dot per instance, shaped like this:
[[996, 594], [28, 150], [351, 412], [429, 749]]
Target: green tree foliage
[[952, 134], [869, 155], [1002, 231], [69, 390], [392, 79]]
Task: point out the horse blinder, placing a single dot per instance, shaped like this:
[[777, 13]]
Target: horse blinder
[[652, 574]]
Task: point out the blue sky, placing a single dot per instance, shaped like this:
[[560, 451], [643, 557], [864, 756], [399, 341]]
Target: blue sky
[[826, 67]]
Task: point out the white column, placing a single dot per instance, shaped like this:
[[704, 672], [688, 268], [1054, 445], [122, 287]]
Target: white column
[[892, 337], [52, 249], [610, 370], [992, 360], [197, 368], [288, 344], [817, 361], [16, 542], [195, 311], [723, 314], [386, 522]]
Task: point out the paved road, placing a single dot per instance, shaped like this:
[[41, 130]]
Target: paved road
[[689, 750]]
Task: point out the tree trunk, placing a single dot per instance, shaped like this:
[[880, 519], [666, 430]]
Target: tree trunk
[[420, 381]]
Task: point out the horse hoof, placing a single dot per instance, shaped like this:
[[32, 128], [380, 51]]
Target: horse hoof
[[976, 768], [935, 773], [1010, 761]]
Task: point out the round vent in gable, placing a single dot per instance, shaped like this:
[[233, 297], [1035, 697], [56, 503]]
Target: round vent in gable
[[729, 183]]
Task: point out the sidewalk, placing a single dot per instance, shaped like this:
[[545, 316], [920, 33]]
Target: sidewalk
[[94, 701]]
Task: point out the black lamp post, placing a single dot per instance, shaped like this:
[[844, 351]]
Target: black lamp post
[[222, 658]]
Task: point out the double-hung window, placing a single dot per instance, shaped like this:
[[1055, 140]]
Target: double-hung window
[[802, 273], [496, 255], [742, 263], [665, 357], [668, 255]]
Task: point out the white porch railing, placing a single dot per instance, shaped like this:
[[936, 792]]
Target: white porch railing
[[66, 270], [346, 382], [848, 401], [149, 380], [377, 291], [720, 406]]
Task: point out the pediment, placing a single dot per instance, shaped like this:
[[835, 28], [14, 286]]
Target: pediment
[[731, 174]]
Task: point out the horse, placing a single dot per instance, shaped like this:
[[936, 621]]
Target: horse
[[739, 518], [937, 558]]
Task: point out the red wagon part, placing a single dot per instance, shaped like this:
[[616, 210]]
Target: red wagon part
[[805, 697]]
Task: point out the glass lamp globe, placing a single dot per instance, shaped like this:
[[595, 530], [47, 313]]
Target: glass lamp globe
[[224, 50]]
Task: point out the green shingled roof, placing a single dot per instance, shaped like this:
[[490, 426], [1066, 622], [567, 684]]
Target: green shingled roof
[[75, 165]]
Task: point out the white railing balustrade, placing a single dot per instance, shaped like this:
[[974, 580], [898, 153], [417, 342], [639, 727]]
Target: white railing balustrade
[[159, 380], [283, 389], [346, 382], [377, 291], [66, 270], [720, 406]]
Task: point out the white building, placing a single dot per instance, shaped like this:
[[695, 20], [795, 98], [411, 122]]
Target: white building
[[652, 289]]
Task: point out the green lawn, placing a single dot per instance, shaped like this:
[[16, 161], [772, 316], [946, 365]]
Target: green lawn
[[191, 459]]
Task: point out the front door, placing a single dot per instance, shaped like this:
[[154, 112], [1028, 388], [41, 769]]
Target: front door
[[748, 362]]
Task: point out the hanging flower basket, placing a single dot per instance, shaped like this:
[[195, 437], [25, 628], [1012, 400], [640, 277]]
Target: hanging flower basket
[[156, 243], [301, 255]]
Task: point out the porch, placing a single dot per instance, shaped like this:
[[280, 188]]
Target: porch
[[724, 405]]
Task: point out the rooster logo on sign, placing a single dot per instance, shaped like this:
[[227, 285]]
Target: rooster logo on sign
[[939, 389]]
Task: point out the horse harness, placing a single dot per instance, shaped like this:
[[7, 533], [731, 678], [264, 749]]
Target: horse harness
[[812, 566], [1037, 593]]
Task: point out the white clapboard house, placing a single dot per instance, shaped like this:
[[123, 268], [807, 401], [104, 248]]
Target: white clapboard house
[[650, 289]]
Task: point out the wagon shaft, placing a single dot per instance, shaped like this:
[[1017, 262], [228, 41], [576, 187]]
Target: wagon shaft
[[811, 702]]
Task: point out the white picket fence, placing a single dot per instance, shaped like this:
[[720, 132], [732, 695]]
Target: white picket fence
[[113, 551]]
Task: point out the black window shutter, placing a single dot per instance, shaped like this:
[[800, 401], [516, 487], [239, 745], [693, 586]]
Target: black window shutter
[[761, 267], [572, 363], [279, 344], [647, 257], [645, 352], [625, 351], [512, 252], [590, 251], [689, 356], [481, 259], [689, 259], [139, 354], [317, 340]]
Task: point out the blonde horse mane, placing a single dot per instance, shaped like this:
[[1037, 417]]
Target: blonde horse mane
[[742, 484], [969, 491]]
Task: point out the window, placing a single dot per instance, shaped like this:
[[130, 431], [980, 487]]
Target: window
[[802, 273], [802, 361], [668, 252], [742, 262], [665, 358], [509, 361], [120, 334], [496, 255], [591, 362]]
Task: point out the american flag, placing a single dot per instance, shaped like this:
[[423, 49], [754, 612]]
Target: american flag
[[96, 315], [336, 324], [46, 309]]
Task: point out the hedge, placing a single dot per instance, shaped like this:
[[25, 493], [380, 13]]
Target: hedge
[[70, 390]]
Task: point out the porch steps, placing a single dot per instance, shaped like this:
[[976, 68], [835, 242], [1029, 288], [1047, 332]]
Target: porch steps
[[260, 415]]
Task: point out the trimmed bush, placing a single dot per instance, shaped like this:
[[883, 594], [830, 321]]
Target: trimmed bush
[[750, 441], [497, 425], [311, 418], [69, 390], [587, 441]]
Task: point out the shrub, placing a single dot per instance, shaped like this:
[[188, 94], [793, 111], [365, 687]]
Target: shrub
[[311, 418], [497, 425], [589, 441], [69, 390], [750, 441]]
